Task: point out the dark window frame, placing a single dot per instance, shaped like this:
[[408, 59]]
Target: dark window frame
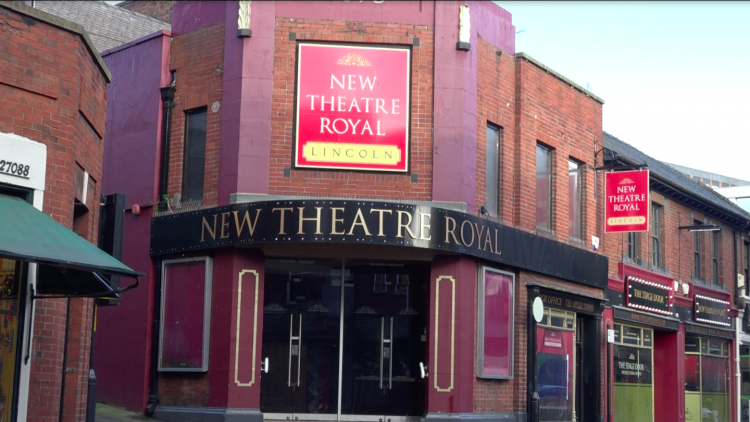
[[578, 171], [632, 242], [493, 191], [715, 259], [192, 172], [697, 257], [657, 213], [545, 225]]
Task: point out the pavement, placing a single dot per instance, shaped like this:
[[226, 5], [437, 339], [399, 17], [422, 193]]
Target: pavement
[[106, 413]]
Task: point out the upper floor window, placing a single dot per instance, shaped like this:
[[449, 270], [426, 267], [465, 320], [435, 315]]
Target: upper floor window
[[543, 187], [195, 154], [575, 199], [492, 170], [697, 239], [747, 267], [633, 246], [657, 214], [715, 258]]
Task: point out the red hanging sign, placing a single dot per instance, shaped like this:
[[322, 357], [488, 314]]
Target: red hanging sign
[[626, 201], [352, 107]]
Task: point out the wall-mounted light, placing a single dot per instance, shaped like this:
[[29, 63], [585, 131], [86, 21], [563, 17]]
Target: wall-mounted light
[[685, 288], [701, 228], [677, 285]]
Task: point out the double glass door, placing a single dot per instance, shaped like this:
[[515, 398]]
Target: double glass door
[[344, 340]]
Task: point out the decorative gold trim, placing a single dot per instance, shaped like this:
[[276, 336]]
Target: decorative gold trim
[[255, 329], [453, 329], [353, 59]]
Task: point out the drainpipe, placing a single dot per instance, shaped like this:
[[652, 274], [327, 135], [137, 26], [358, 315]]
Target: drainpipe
[[167, 98]]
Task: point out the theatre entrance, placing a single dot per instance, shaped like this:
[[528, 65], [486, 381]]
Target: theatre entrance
[[344, 340]]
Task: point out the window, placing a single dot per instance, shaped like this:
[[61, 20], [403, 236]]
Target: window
[[185, 314], [656, 243], [492, 170], [697, 254], [633, 246], [575, 199], [633, 373], [495, 325], [195, 154], [716, 259], [543, 187]]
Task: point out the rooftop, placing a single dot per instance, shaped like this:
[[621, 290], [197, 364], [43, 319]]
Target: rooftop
[[108, 26], [667, 179]]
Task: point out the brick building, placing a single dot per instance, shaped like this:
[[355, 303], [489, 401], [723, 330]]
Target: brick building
[[317, 253], [52, 117], [673, 297]]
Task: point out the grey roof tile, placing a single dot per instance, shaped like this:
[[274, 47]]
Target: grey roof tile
[[108, 26]]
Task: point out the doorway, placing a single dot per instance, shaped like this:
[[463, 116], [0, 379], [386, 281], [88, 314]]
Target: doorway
[[344, 340]]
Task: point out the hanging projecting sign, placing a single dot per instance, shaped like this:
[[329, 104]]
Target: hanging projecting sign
[[649, 296], [352, 107], [626, 201], [712, 311]]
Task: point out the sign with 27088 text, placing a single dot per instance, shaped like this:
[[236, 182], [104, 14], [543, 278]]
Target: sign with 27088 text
[[352, 107]]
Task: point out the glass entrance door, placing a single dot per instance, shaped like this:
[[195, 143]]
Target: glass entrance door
[[385, 340], [358, 325], [301, 326]]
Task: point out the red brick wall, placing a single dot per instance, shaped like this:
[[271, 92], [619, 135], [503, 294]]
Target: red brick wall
[[161, 10], [496, 105], [551, 111], [349, 183], [198, 58], [54, 93], [677, 247], [183, 389]]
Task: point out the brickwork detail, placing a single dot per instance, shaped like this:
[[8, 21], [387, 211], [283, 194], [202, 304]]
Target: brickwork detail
[[53, 92], [161, 10], [352, 184], [198, 58]]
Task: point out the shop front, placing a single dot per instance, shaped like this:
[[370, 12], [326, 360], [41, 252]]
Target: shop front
[[644, 344], [354, 310], [39, 259]]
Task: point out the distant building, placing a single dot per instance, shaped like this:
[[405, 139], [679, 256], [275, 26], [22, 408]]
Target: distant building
[[709, 179]]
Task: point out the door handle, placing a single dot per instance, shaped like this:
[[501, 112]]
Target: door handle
[[299, 345], [264, 365], [382, 348], [291, 326], [423, 370], [390, 357]]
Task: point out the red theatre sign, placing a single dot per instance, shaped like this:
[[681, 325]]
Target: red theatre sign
[[352, 107], [626, 208]]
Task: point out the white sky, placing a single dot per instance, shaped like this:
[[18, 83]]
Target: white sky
[[674, 76]]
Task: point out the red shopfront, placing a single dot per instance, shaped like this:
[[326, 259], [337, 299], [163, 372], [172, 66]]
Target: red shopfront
[[669, 355]]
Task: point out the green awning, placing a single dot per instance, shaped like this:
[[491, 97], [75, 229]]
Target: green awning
[[27, 234]]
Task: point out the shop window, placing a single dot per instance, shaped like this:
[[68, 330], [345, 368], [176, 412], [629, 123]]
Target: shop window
[[555, 365], [492, 169], [495, 328], [633, 366], [185, 314], [543, 187], [195, 155], [575, 199], [657, 214], [707, 379]]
